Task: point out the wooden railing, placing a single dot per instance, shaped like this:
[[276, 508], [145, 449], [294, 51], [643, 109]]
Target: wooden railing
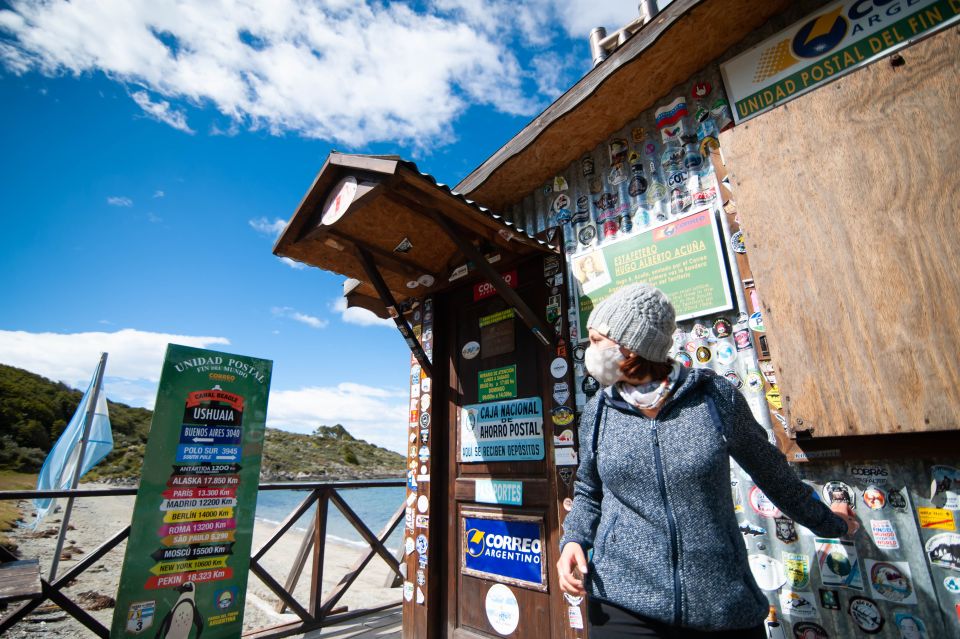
[[321, 610]]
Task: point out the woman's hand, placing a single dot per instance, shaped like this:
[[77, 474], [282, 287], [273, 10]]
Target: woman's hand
[[570, 569], [845, 512]]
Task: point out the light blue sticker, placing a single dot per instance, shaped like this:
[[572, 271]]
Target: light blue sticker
[[497, 491]]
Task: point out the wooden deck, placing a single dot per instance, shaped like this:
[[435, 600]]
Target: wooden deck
[[378, 625]]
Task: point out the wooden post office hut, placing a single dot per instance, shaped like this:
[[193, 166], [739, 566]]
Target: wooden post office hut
[[787, 172]]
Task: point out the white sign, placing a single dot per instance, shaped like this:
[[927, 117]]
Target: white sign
[[884, 534], [558, 367], [339, 200], [503, 611]]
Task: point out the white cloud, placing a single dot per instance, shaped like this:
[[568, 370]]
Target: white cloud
[[158, 193], [119, 200], [357, 315], [153, 218], [349, 72], [72, 357], [161, 111], [271, 229], [297, 316], [377, 415], [297, 266]]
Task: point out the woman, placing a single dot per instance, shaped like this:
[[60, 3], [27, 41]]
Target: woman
[[652, 496]]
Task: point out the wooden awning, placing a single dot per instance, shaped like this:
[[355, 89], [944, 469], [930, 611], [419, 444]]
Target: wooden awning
[[681, 40], [399, 235], [385, 206]]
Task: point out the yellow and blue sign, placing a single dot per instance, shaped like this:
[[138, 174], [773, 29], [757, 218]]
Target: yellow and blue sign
[[832, 42], [504, 550]]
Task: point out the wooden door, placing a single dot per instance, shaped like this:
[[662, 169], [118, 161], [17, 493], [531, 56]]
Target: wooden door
[[499, 556]]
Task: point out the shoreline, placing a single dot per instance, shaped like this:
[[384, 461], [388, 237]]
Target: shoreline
[[95, 519]]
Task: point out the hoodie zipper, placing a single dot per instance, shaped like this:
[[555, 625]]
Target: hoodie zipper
[[671, 522]]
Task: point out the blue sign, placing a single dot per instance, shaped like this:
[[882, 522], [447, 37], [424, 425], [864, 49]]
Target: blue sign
[[199, 453], [502, 431], [504, 550]]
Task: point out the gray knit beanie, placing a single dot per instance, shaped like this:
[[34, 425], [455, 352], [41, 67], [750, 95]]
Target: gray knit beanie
[[638, 317]]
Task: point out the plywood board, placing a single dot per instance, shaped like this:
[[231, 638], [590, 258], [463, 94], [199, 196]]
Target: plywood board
[[848, 198]]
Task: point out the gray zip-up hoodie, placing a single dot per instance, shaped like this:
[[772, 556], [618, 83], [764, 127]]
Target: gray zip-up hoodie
[[652, 498]]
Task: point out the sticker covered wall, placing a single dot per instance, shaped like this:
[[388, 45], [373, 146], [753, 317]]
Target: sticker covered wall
[[187, 559]]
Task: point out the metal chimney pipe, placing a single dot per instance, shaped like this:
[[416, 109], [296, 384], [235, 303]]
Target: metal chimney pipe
[[597, 52], [648, 10]]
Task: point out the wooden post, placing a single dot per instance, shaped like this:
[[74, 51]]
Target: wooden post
[[319, 537], [294, 575], [387, 298]]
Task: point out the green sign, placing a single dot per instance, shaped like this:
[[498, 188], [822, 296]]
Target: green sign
[[825, 45], [185, 569], [497, 383], [683, 259], [499, 316]]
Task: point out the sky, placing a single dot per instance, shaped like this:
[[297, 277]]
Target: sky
[[153, 150]]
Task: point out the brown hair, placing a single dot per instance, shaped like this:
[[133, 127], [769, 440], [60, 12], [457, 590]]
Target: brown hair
[[636, 367]]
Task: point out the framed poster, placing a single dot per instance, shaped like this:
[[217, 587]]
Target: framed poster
[[683, 258], [503, 548]]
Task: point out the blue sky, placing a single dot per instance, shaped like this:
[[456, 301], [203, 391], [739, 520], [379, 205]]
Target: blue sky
[[148, 157]]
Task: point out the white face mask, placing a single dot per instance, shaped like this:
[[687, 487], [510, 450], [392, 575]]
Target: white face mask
[[604, 364]]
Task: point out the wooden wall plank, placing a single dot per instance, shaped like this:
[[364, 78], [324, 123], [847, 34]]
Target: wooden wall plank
[[849, 201]]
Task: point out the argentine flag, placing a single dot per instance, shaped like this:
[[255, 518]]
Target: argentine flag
[[60, 465]]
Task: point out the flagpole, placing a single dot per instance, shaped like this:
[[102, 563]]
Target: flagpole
[[88, 424]]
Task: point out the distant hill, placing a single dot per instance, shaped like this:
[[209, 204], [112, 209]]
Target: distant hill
[[34, 411]]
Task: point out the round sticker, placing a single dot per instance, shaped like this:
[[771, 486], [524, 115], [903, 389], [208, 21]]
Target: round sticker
[[568, 506], [756, 322], [761, 504], [424, 402], [722, 327], [590, 385], [837, 491], [502, 609], [754, 381], [767, 571], [424, 420], [413, 284], [423, 504], [587, 234], [809, 630], [339, 200], [726, 352], [736, 242], [562, 415], [424, 453], [470, 350], [684, 359], [952, 584], [700, 331], [704, 354], [865, 614], [558, 367], [422, 544], [874, 498], [890, 583], [733, 378], [579, 352], [426, 280]]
